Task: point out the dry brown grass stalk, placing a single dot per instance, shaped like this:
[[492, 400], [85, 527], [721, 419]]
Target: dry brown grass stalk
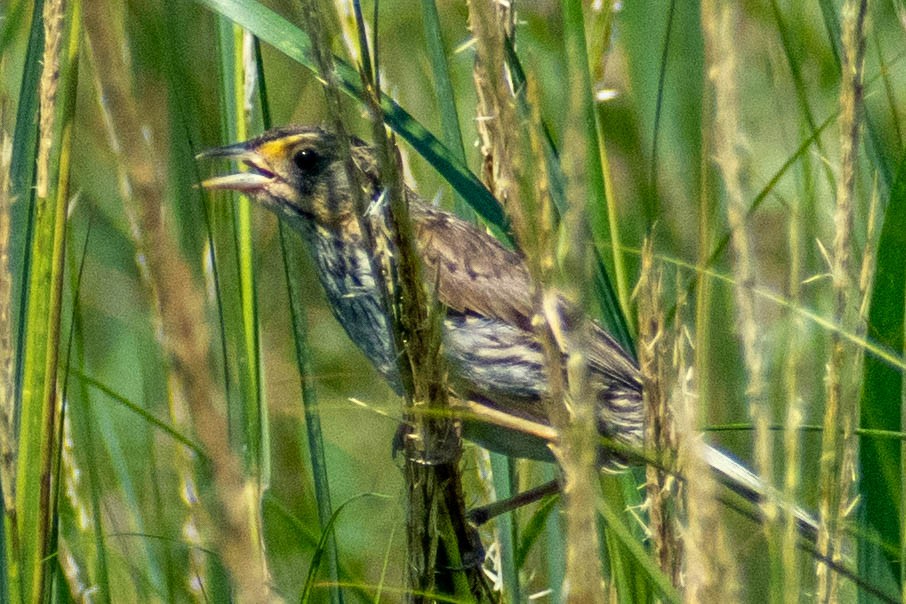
[[73, 559], [7, 367], [196, 398], [660, 434], [489, 23], [792, 445], [53, 17], [720, 23], [839, 447], [710, 573], [514, 169], [184, 460]]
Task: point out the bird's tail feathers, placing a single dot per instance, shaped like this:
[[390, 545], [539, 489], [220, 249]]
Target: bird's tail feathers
[[745, 483]]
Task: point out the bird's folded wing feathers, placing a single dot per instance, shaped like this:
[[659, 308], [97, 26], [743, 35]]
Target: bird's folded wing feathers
[[471, 270]]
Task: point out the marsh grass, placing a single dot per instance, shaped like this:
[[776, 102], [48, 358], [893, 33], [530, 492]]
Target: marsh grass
[[156, 345]]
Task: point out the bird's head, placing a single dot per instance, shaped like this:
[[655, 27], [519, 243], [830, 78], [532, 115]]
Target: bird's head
[[297, 172]]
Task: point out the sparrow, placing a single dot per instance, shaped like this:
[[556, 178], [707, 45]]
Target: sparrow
[[493, 356]]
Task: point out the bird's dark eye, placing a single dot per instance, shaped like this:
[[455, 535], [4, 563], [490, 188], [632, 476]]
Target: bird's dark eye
[[308, 161]]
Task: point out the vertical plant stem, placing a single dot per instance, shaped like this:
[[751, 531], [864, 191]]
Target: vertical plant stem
[[707, 215], [446, 98], [441, 548], [313, 433], [511, 167], [601, 16], [256, 416], [489, 23], [8, 437], [720, 23], [709, 571], [197, 400], [7, 355], [21, 186], [255, 409], [241, 319], [113, 99], [495, 163], [660, 437], [712, 572], [792, 446], [440, 542], [839, 450], [39, 445], [584, 184], [82, 548], [314, 436]]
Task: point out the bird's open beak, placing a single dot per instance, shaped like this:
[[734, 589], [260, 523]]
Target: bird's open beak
[[256, 178]]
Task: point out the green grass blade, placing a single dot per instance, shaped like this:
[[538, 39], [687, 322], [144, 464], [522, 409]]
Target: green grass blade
[[502, 469], [92, 555], [231, 241], [584, 143], [315, 438], [40, 428], [15, 12], [138, 410], [640, 559], [881, 484], [446, 98], [794, 64], [302, 532], [250, 361], [534, 528], [22, 173], [555, 547], [653, 202], [291, 259], [721, 246], [322, 546], [20, 216]]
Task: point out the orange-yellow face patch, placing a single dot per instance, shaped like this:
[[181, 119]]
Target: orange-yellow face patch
[[275, 150]]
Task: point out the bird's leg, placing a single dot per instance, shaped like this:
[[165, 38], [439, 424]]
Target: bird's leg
[[482, 514], [403, 430]]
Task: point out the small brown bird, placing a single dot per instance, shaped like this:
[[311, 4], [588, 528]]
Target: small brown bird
[[492, 355]]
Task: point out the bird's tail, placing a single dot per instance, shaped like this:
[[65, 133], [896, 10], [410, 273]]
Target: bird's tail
[[742, 481]]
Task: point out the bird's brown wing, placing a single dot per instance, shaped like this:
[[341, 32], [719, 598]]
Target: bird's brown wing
[[473, 272]]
